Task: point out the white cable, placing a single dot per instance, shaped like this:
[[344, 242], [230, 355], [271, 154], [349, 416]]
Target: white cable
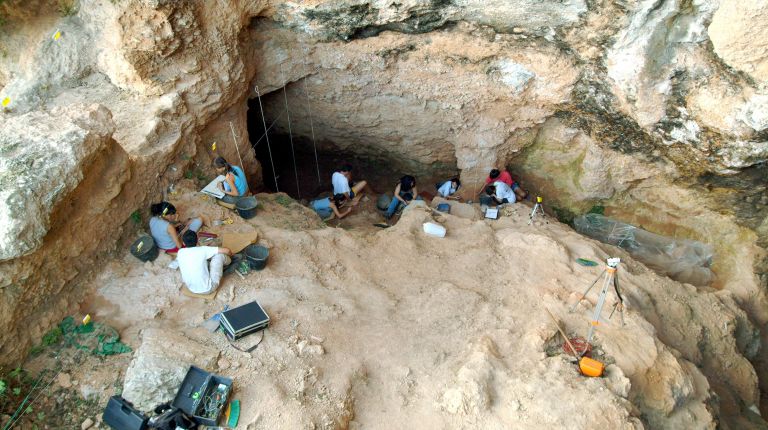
[[311, 125], [290, 133], [234, 139], [269, 147]]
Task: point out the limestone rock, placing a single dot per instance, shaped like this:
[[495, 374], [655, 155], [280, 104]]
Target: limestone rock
[[43, 158], [739, 34], [159, 365]]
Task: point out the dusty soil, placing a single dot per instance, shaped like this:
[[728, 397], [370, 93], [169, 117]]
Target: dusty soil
[[385, 328]]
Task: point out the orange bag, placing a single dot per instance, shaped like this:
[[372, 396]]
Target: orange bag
[[590, 367]]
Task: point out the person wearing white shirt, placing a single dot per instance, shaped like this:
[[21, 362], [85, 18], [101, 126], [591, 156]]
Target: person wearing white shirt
[[501, 193], [201, 266], [449, 188], [344, 189]]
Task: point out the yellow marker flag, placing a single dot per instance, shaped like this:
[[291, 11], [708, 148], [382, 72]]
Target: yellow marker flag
[[213, 147], [57, 35], [6, 101], [87, 319]]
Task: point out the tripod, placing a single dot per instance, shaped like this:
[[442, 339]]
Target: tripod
[[537, 208], [611, 278]]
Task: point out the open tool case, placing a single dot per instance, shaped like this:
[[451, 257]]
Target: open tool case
[[203, 396]]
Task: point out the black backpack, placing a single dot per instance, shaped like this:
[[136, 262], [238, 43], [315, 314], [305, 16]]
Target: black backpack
[[170, 418]]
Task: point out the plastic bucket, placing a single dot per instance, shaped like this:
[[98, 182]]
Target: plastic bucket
[[382, 203], [144, 249], [257, 256], [246, 207], [433, 229]]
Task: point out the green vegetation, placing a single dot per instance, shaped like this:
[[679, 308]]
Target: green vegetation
[[564, 215], [284, 200], [53, 337], [597, 209], [136, 217], [67, 7]]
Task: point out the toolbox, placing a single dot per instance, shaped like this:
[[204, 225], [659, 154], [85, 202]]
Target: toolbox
[[203, 396], [121, 415], [243, 320]]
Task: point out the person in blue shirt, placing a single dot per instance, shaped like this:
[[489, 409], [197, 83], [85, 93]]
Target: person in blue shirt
[[234, 185], [328, 208]]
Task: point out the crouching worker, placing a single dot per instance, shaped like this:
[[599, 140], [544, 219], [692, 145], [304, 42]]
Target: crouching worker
[[201, 266], [165, 228], [234, 185], [328, 208], [345, 189], [448, 189], [498, 176], [501, 193], [405, 192]]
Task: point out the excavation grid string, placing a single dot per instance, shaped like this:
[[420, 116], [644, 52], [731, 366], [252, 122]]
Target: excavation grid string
[[312, 127], [290, 132], [266, 136]]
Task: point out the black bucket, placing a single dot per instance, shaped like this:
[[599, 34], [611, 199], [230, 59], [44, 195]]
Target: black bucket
[[144, 249], [246, 207], [257, 256]]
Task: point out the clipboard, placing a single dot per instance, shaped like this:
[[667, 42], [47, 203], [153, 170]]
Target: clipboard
[[492, 213], [212, 189]]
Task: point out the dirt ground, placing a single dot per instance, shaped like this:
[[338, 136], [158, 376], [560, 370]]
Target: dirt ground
[[391, 328]]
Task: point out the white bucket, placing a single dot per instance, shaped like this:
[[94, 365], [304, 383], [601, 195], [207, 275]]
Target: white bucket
[[433, 229]]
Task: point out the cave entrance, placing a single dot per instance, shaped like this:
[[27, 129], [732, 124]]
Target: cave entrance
[[381, 171]]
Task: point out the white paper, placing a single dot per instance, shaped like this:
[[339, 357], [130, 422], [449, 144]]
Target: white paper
[[492, 213], [212, 189]]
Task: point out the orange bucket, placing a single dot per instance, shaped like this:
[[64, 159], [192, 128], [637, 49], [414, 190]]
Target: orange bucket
[[590, 367]]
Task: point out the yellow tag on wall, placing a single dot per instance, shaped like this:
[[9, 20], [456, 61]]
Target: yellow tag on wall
[[87, 319], [6, 101], [57, 35], [213, 147]]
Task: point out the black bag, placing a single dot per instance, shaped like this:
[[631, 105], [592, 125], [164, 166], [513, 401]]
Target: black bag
[[170, 418]]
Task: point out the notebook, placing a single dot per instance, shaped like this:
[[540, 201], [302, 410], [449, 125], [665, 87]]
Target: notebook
[[212, 189], [492, 213]]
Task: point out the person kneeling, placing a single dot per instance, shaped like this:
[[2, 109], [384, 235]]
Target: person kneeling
[[501, 193], [405, 192], [448, 189], [199, 275], [328, 208], [234, 186]]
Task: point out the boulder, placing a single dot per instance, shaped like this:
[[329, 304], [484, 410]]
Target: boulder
[[159, 365]]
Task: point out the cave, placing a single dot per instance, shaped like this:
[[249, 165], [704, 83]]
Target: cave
[[315, 161]]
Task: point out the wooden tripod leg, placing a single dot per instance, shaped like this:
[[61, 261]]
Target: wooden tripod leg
[[573, 308]]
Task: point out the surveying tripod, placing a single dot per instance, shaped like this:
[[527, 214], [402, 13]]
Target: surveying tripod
[[611, 278], [538, 208]]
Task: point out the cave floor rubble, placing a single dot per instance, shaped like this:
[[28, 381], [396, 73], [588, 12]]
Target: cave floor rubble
[[383, 328]]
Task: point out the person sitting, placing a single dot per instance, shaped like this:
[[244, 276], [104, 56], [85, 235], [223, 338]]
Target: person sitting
[[344, 188], [234, 185], [501, 193], [165, 228], [405, 192], [328, 208], [448, 189], [505, 177], [200, 276]]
